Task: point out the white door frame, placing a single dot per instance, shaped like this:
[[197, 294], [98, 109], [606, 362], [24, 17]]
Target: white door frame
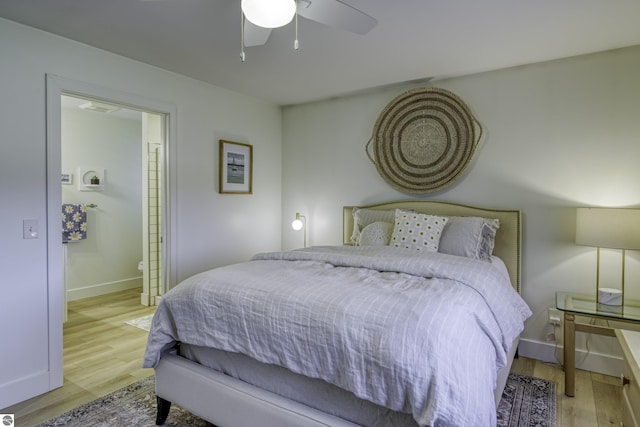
[[56, 87]]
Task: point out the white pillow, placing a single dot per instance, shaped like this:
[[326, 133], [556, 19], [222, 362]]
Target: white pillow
[[414, 230], [376, 234], [469, 236], [364, 217]]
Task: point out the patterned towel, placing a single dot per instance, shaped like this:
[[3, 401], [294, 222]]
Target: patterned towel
[[74, 222]]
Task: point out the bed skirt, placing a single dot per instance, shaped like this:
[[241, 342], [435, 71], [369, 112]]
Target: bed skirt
[[230, 402]]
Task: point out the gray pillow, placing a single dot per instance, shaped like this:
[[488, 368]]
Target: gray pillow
[[469, 236]]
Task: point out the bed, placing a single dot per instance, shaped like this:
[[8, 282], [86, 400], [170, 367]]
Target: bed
[[239, 375]]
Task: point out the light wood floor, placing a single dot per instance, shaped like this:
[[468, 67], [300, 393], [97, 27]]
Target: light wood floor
[[102, 354], [597, 401]]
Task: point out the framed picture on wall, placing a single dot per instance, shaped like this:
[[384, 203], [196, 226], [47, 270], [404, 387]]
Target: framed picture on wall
[[236, 168]]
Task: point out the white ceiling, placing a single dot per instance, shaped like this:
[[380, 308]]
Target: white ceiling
[[414, 39]]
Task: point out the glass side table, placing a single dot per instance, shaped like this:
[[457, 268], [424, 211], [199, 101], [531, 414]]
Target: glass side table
[[585, 305]]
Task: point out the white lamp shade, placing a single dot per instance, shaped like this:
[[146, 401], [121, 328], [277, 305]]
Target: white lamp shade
[[296, 224], [269, 14], [608, 228]]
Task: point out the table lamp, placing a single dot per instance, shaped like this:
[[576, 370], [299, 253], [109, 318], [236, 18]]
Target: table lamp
[[300, 223], [612, 228]]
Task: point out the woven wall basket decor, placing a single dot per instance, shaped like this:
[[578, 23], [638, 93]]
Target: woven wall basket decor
[[423, 140]]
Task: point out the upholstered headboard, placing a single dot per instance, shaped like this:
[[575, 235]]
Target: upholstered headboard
[[508, 242]]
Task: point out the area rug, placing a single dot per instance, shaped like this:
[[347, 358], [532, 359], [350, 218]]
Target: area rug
[[131, 406], [143, 322], [526, 402]]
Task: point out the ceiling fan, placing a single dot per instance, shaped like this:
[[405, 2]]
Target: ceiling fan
[[333, 13]]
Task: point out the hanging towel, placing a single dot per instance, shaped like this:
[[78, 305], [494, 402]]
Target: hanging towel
[[74, 222]]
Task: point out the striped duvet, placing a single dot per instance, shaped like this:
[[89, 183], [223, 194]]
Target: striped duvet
[[418, 333]]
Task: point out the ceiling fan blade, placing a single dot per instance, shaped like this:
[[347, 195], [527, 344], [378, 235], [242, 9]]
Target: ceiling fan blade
[[254, 35], [336, 14]]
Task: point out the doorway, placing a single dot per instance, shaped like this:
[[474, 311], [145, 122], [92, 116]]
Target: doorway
[[58, 87], [112, 178]]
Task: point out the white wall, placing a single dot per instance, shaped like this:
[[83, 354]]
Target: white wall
[[558, 135], [212, 229], [107, 260]]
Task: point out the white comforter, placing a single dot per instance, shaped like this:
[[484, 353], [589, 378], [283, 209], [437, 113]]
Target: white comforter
[[418, 333]]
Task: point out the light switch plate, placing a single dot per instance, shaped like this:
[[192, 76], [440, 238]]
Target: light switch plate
[[30, 229]]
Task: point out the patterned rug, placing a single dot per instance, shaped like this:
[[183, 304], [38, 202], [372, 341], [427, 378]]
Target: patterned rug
[[525, 402], [131, 406], [143, 322]]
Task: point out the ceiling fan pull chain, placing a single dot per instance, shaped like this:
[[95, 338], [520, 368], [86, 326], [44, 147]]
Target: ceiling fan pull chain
[[296, 43], [242, 56]]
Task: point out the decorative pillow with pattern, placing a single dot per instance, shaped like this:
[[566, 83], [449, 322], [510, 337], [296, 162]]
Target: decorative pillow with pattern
[[376, 234], [363, 217], [414, 230]]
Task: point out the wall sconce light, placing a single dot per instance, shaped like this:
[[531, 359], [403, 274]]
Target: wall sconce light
[[300, 223], [608, 228]]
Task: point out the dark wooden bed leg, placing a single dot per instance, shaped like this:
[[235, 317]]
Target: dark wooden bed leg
[[163, 410]]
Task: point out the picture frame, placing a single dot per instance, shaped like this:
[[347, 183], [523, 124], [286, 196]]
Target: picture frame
[[235, 168]]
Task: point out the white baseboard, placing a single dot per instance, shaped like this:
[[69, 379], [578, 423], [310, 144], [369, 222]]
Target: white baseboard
[[104, 288], [23, 388], [606, 364]]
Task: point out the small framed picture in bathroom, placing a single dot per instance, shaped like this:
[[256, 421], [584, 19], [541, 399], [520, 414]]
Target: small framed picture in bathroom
[[236, 168], [67, 178]]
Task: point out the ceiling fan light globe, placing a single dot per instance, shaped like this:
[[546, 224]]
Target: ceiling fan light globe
[[269, 13]]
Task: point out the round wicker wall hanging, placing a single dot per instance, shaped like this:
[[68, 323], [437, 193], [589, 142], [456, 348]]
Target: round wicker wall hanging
[[423, 140]]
